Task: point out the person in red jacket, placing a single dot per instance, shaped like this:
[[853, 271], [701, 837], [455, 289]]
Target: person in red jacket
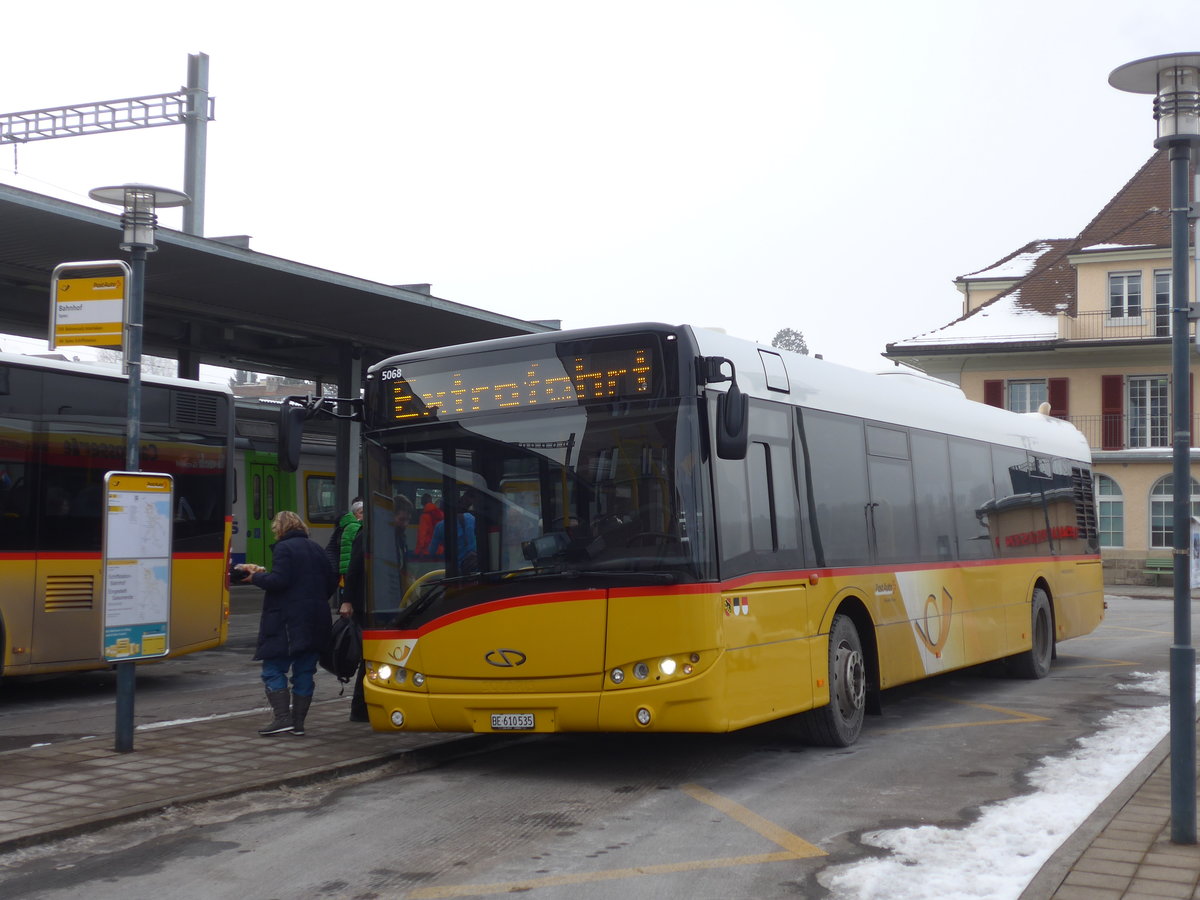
[[430, 516]]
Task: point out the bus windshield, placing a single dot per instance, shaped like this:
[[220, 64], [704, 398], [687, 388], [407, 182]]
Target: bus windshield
[[505, 504]]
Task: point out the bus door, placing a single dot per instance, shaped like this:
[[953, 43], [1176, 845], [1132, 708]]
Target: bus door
[[268, 490], [18, 539]]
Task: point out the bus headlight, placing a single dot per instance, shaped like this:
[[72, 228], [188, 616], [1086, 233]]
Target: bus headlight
[[663, 669], [384, 672], [397, 718], [418, 679], [643, 716]]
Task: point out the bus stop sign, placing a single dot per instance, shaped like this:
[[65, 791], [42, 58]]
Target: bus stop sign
[[88, 303]]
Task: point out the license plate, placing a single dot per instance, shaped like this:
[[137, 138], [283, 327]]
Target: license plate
[[512, 721]]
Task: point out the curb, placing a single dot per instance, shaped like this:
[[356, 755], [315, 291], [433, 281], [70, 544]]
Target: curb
[[408, 760], [1055, 870]]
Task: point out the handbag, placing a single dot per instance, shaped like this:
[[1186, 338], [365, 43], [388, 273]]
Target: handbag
[[344, 653]]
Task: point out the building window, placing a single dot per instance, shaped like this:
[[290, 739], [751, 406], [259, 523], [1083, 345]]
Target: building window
[[1026, 396], [1147, 411], [1110, 505], [1162, 511], [1162, 302], [1125, 295]]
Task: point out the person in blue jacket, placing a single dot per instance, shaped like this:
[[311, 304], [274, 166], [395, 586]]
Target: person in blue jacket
[[295, 623]]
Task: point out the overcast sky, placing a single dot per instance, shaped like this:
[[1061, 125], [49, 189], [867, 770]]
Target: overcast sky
[[749, 164]]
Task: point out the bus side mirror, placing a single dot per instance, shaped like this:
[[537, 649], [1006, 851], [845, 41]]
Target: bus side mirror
[[733, 423], [291, 432], [733, 408]]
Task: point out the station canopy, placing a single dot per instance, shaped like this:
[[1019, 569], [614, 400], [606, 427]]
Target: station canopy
[[222, 304]]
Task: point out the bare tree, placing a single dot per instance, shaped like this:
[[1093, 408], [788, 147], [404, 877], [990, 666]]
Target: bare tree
[[790, 339], [153, 365]]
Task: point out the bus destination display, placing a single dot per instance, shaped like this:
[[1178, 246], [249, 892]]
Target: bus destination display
[[418, 392]]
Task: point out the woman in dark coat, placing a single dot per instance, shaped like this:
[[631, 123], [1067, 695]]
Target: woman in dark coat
[[295, 622]]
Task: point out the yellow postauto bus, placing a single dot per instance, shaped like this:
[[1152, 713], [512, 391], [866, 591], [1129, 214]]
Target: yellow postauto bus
[[62, 427], [662, 528]]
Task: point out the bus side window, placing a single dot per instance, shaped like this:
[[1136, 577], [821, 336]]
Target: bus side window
[[935, 513], [893, 523], [838, 456], [757, 502], [971, 478]]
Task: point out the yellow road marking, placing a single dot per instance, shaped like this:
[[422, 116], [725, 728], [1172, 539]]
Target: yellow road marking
[[508, 887], [752, 820], [1011, 717], [793, 848], [1100, 662], [1115, 627]]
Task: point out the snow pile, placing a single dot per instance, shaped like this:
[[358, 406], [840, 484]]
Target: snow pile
[[999, 854]]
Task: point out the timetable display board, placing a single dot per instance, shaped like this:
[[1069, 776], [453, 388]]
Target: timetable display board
[[137, 565]]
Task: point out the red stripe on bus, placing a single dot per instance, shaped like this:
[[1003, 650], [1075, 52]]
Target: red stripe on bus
[[804, 574], [701, 588], [485, 608], [33, 556]]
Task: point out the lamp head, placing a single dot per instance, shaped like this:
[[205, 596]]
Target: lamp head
[[139, 202], [1174, 79]]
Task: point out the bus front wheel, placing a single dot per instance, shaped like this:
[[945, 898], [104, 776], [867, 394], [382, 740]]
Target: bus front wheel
[[1035, 662], [840, 723]]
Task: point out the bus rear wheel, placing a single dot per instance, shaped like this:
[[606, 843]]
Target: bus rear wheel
[[840, 723], [1035, 662]]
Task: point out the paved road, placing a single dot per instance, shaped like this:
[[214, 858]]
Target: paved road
[[753, 814]]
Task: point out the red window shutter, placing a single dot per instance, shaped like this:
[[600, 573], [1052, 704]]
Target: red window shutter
[[993, 393], [1112, 412], [1056, 391]]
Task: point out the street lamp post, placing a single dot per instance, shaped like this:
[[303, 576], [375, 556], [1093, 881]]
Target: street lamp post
[[138, 221], [1174, 79]]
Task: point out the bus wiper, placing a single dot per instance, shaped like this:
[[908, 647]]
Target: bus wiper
[[638, 574], [570, 573], [423, 603], [434, 589]]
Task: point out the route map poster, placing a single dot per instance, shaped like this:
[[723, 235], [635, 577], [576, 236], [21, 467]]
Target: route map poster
[[137, 565]]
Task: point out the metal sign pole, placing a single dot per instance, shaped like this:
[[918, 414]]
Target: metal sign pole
[[127, 670], [138, 222]]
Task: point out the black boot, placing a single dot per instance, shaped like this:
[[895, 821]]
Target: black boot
[[358, 704], [299, 711], [281, 706]]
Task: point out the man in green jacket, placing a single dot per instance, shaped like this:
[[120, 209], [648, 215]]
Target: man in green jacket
[[338, 548]]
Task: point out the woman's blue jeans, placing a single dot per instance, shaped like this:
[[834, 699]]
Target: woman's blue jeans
[[303, 666]]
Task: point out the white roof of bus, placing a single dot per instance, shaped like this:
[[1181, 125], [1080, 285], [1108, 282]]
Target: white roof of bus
[[96, 369], [916, 402]]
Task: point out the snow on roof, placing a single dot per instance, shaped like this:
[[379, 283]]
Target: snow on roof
[[1002, 321], [1114, 247], [1018, 265]]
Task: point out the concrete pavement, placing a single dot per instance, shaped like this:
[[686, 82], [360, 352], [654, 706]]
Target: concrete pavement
[[55, 790]]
